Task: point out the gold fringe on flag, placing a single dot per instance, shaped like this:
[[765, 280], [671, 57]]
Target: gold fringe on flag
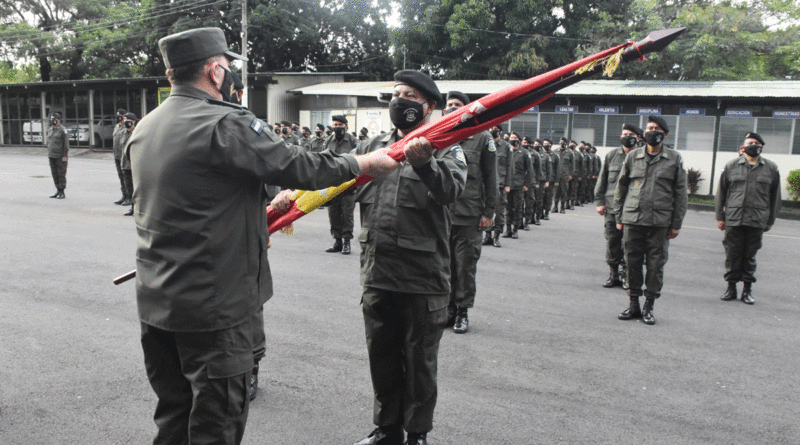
[[609, 63]]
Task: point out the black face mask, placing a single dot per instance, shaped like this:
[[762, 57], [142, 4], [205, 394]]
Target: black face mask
[[547, 147], [563, 145], [449, 110], [128, 124], [495, 134], [537, 147], [226, 89], [119, 119], [628, 141], [339, 132], [285, 130], [404, 113], [361, 137], [328, 132], [54, 122], [753, 150], [514, 143], [653, 138], [318, 133]]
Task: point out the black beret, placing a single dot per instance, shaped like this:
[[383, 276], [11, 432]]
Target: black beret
[[121, 111], [421, 82], [537, 140], [516, 134], [285, 124], [458, 95], [547, 140], [755, 136], [194, 45], [339, 118], [573, 142], [131, 116], [237, 82], [528, 138], [307, 129], [563, 139], [660, 121], [321, 127], [633, 128], [296, 123], [57, 115], [277, 124], [364, 130]]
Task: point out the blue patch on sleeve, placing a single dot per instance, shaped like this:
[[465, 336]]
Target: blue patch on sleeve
[[257, 126]]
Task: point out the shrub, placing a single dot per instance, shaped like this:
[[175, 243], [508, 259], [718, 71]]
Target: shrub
[[693, 179], [794, 184]]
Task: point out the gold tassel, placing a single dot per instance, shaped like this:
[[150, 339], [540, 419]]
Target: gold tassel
[[288, 230], [610, 64]]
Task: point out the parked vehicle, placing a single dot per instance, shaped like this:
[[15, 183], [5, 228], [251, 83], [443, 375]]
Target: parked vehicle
[[103, 132]]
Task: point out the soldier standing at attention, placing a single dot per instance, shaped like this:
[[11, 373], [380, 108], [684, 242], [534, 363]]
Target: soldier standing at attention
[[566, 159], [505, 170], [119, 130], [405, 266], [577, 176], [604, 198], [748, 199], [57, 151], [472, 213], [550, 191], [597, 165], [130, 123], [199, 169], [517, 185], [544, 181], [649, 205], [537, 175], [341, 208], [318, 141]]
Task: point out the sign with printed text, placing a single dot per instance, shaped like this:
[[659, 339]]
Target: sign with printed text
[[566, 109], [786, 114], [532, 110], [606, 110], [646, 111], [163, 94], [693, 112], [374, 120], [739, 113]]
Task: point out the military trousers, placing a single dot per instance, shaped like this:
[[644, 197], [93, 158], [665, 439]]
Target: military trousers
[[614, 253], [58, 169], [592, 185], [340, 215], [118, 164], [645, 246], [259, 336], [529, 198], [403, 333], [499, 215], [573, 188], [202, 380], [127, 177], [549, 193], [540, 193], [741, 245], [562, 192], [465, 251], [514, 206]]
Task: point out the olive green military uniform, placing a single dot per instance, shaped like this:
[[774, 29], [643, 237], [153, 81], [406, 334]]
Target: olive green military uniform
[[547, 173], [551, 192], [316, 145], [117, 146], [748, 199], [537, 176], [405, 271], [650, 199], [597, 165], [505, 170], [478, 199], [578, 167], [125, 163], [202, 268], [604, 196], [566, 161], [341, 208], [522, 177], [57, 150]]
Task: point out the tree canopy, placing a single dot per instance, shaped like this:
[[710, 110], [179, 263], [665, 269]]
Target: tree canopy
[[452, 39]]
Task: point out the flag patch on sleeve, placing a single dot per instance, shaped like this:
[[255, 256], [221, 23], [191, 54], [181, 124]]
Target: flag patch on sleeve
[[257, 126]]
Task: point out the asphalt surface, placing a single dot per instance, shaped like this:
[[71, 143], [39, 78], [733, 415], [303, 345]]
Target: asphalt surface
[[545, 361]]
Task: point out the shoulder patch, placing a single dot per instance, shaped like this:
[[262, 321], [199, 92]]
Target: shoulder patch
[[257, 126], [458, 153], [682, 168], [491, 145]]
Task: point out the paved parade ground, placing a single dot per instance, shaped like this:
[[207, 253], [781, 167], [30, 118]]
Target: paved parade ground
[[545, 361]]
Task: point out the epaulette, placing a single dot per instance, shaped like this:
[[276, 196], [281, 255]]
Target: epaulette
[[227, 104], [387, 138]]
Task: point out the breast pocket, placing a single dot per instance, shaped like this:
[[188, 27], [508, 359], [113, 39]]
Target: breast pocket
[[736, 190], [411, 192], [635, 186], [663, 188]]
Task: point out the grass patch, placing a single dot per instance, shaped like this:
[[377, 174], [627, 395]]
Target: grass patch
[[701, 199]]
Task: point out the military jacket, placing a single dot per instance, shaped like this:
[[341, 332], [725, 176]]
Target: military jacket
[[316, 145], [291, 139], [555, 165], [119, 130], [607, 180], [547, 166], [125, 161], [505, 166], [340, 146], [579, 163], [566, 161], [749, 195], [199, 169], [523, 169], [480, 193], [57, 142], [598, 164], [651, 192], [537, 172], [405, 223]]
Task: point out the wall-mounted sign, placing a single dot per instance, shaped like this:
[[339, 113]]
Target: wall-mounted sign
[[646, 111], [565, 109], [606, 110], [739, 113], [786, 114], [534, 109], [163, 94], [693, 112]]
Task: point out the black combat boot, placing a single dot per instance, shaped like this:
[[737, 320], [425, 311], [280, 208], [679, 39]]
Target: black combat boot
[[563, 208], [536, 221], [417, 439], [613, 278], [546, 216], [632, 311], [120, 200], [384, 435], [346, 247], [336, 247], [555, 208], [508, 231], [496, 238], [514, 234], [487, 238], [461, 322], [647, 311], [129, 212], [55, 195], [623, 275], [731, 293], [60, 194], [747, 293], [127, 201], [525, 225], [254, 382]]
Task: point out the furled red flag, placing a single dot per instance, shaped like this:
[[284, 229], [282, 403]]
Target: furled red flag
[[485, 113]]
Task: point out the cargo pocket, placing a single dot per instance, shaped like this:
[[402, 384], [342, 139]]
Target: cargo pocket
[[232, 375]]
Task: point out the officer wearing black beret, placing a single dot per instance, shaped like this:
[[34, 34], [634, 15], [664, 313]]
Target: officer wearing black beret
[[747, 202], [199, 168], [405, 265], [57, 151], [129, 124], [342, 207]]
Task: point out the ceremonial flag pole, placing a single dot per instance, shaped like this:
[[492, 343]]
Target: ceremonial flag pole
[[480, 115]]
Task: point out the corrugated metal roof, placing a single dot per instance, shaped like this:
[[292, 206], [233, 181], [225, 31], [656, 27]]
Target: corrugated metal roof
[[607, 88]]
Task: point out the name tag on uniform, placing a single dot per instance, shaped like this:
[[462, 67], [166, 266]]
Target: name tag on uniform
[[257, 126]]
